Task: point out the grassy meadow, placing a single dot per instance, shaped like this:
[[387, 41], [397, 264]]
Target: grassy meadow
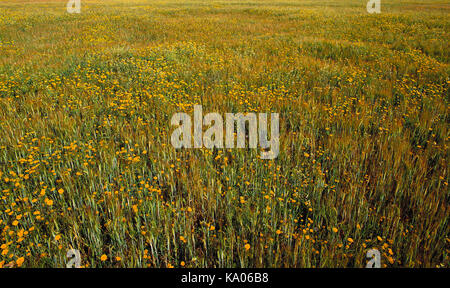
[[86, 160]]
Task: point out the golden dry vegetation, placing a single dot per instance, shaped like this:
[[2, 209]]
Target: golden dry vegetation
[[85, 155]]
